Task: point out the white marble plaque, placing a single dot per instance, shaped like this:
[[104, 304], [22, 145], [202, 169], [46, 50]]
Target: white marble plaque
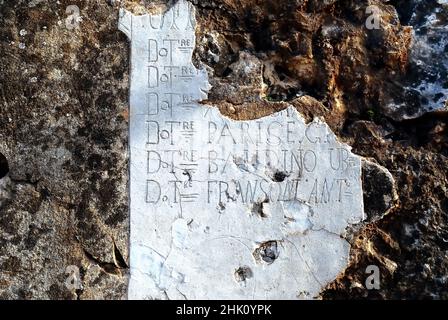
[[224, 209]]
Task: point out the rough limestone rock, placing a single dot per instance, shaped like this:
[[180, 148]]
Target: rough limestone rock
[[64, 131]]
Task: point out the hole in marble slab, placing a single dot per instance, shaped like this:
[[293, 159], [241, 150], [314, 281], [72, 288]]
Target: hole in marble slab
[[243, 273], [221, 206], [4, 167], [258, 208], [279, 176], [276, 175], [267, 252]]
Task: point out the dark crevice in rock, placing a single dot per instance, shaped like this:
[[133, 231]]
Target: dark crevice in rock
[[429, 131], [405, 9], [118, 257], [27, 180], [4, 167], [379, 191], [105, 266], [78, 293]]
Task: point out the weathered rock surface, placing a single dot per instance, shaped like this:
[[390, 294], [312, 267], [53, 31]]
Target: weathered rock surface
[[64, 130]]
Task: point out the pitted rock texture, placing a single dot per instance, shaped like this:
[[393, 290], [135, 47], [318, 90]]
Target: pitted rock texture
[[64, 134], [63, 130]]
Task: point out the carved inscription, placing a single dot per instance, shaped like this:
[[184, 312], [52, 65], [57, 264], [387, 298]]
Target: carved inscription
[[209, 193]]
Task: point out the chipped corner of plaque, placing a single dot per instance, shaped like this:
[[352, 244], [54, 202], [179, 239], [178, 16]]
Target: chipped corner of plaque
[[125, 22]]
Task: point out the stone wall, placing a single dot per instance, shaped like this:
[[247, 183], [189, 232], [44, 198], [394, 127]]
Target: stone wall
[[64, 127]]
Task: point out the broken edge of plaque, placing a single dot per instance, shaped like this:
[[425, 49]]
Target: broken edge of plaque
[[225, 250]]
